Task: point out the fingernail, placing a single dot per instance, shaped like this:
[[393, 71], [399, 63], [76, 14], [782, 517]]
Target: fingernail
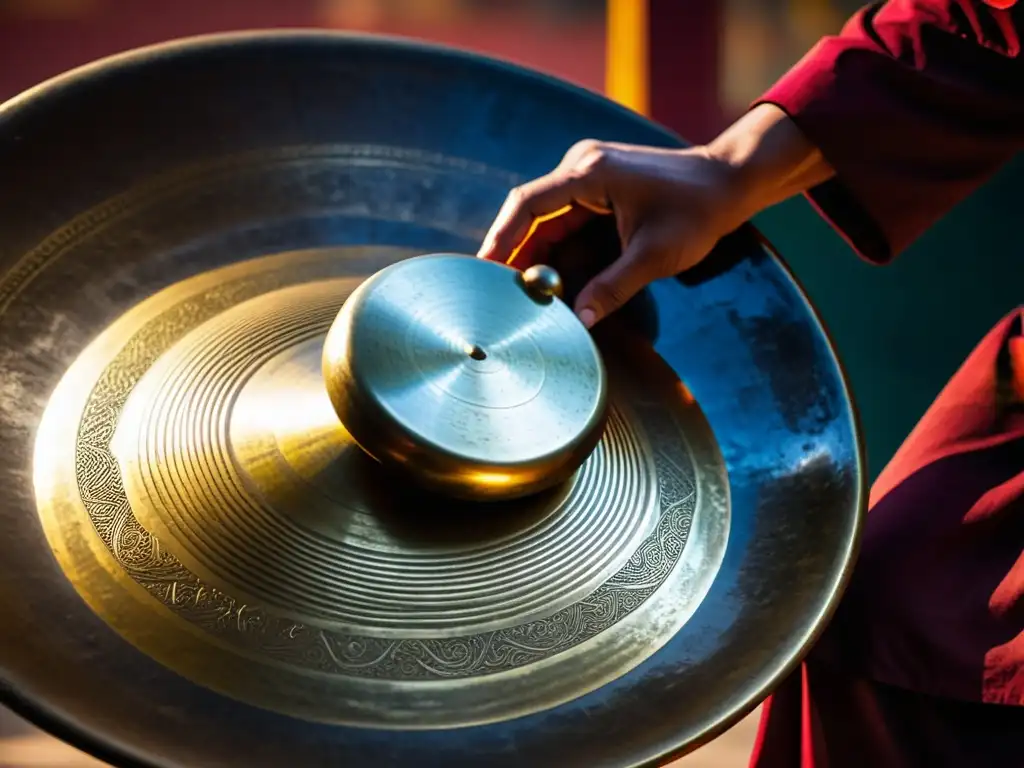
[[588, 317]]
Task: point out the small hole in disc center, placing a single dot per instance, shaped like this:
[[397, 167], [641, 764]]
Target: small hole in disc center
[[477, 353]]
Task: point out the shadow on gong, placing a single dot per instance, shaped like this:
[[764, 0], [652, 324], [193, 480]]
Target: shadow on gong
[[409, 515], [307, 468]]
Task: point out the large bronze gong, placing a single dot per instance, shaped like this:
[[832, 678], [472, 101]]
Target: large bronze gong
[[198, 567]]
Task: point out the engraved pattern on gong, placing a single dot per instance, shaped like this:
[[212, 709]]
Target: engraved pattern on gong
[[331, 176], [230, 448], [270, 631]]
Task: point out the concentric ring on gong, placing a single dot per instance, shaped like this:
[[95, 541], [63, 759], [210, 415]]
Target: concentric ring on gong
[[529, 365], [257, 552], [192, 444]]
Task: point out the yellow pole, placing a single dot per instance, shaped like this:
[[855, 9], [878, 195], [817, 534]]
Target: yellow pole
[[626, 60]]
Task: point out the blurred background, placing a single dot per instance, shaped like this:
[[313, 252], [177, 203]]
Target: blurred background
[[691, 64]]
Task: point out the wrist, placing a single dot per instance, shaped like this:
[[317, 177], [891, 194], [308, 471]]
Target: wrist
[[766, 159]]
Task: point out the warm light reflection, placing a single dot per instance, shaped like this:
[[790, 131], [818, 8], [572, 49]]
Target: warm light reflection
[[533, 228], [685, 395], [287, 400], [492, 479], [307, 411]]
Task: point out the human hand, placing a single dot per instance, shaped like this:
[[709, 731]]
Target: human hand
[[671, 206]]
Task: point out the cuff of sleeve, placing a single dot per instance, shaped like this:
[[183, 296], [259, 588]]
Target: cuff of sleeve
[[820, 107], [849, 96], [912, 117], [906, 144]]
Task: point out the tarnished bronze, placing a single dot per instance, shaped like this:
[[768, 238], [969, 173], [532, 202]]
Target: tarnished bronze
[[198, 565], [284, 552], [471, 377]]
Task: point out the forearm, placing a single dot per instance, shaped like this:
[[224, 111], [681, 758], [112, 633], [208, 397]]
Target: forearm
[[914, 105], [769, 158]]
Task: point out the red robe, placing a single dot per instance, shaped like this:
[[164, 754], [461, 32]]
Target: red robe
[[915, 104]]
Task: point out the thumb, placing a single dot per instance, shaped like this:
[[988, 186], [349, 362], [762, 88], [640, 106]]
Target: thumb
[[619, 282]]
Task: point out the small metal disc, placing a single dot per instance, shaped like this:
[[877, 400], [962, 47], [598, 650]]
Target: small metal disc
[[475, 378]]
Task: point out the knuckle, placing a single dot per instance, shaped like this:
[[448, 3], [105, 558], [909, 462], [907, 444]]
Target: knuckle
[[590, 155], [584, 147], [515, 197], [596, 161]]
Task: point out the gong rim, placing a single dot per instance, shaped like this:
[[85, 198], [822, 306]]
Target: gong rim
[[47, 716]]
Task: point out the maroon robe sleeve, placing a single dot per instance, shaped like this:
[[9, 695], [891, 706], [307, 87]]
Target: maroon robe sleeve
[[914, 104]]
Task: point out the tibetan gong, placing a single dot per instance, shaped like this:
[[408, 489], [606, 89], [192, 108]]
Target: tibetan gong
[[474, 378], [200, 566]]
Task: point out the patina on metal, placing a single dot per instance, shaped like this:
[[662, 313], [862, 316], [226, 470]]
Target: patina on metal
[[472, 378], [200, 567], [296, 576]]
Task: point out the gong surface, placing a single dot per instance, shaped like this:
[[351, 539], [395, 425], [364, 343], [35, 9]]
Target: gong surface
[[199, 568], [246, 510]]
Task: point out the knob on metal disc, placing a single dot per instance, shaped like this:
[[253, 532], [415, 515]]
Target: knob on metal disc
[[474, 377]]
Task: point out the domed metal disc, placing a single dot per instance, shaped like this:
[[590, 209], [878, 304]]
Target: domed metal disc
[[199, 567], [468, 374]]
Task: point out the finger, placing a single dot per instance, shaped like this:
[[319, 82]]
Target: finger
[[545, 233], [543, 198], [610, 289]]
